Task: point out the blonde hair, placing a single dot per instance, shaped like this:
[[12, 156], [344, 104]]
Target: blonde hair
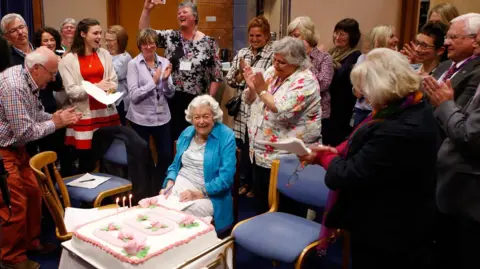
[[446, 11], [378, 37], [306, 27], [384, 77], [145, 36]]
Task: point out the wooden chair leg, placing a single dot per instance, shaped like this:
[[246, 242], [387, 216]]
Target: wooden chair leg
[[299, 262]]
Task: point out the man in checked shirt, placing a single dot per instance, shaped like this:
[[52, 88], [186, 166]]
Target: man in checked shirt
[[22, 120]]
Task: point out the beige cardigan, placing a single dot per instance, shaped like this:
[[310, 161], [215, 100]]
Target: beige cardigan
[[69, 69]]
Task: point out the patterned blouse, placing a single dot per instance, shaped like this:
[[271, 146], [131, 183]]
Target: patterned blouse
[[322, 68], [299, 115], [262, 60], [205, 67]]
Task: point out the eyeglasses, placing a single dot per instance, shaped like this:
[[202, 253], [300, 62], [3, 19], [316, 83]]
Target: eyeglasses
[[453, 37], [17, 29], [205, 117], [53, 74], [148, 45], [423, 45], [294, 177]]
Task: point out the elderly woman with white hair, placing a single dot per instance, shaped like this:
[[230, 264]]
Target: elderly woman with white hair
[[67, 31], [205, 162], [285, 103], [303, 28], [381, 179]]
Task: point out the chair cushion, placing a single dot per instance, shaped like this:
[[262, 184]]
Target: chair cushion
[[89, 195], [277, 236]]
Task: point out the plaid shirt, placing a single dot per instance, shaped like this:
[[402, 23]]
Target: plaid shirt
[[262, 60], [22, 117]]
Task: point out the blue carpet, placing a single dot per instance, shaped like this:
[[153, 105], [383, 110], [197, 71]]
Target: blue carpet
[[244, 258]]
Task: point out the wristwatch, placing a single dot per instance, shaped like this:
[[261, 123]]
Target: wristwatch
[[262, 93]]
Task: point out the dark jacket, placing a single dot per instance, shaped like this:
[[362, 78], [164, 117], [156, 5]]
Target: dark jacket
[[458, 165], [342, 100], [140, 163], [386, 182]]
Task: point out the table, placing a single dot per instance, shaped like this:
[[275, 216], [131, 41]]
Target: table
[[219, 256]]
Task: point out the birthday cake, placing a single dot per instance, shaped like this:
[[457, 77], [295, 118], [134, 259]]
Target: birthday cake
[[146, 236]]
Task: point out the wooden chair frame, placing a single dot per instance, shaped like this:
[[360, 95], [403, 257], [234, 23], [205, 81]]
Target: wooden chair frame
[[274, 200], [40, 165]]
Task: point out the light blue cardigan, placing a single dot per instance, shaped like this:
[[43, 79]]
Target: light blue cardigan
[[218, 167]]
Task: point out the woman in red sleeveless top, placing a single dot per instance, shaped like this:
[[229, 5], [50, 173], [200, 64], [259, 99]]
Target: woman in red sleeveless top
[[87, 61]]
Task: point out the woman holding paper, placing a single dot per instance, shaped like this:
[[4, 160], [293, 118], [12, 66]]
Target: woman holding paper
[[87, 61], [204, 166], [149, 86], [285, 103], [381, 179], [259, 56]]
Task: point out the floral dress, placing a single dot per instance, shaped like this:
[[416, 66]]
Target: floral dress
[[205, 68], [299, 115]]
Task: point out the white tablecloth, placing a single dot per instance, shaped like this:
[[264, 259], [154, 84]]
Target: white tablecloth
[[217, 257]]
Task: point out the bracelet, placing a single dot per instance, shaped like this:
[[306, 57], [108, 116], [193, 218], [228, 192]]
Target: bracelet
[[262, 93]]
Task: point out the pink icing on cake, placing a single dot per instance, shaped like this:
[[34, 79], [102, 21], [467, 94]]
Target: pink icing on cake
[[135, 260]]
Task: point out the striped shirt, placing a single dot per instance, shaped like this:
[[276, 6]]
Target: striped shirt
[[22, 116], [261, 61]]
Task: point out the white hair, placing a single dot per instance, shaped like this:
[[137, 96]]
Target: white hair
[[204, 100], [9, 18], [293, 51], [385, 76], [34, 58], [471, 20], [306, 27], [68, 21]]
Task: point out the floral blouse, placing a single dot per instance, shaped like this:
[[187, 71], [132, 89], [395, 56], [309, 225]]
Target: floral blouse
[[205, 62], [299, 115]]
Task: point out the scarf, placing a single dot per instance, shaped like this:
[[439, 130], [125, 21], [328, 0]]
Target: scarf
[[327, 234], [338, 54]]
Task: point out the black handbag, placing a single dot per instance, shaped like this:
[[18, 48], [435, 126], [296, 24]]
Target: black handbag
[[233, 105]]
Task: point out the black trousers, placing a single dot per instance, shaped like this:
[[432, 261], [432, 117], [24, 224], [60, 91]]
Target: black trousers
[[163, 143], [178, 104], [122, 113], [261, 183], [457, 242], [246, 166]]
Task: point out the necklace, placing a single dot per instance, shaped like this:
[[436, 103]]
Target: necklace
[[90, 63]]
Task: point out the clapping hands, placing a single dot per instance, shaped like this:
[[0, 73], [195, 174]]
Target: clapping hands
[[65, 117], [438, 93]]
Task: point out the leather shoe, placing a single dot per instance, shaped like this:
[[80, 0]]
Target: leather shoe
[[43, 249], [26, 264]]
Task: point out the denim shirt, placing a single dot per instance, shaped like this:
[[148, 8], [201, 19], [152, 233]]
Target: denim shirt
[[148, 103]]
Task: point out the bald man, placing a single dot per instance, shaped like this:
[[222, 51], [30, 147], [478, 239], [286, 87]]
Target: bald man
[[22, 120]]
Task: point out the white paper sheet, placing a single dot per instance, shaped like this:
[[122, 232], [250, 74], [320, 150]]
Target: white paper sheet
[[292, 145], [100, 95], [92, 183], [78, 216], [173, 202]]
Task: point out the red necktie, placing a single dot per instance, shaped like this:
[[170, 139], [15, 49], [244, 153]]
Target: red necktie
[[452, 70]]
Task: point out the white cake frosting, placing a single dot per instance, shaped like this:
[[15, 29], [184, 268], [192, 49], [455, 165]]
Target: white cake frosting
[[168, 246]]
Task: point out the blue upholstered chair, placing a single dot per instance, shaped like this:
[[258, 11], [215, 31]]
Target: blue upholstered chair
[[279, 236], [117, 154]]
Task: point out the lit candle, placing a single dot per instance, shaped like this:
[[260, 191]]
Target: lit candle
[[117, 201], [124, 198], [130, 200]]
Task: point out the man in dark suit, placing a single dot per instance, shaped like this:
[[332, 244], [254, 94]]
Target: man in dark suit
[[463, 66], [458, 172]]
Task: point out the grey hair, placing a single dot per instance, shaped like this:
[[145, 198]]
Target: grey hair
[[34, 58], [293, 50], [306, 27], [204, 100], [192, 5], [68, 21], [9, 18], [471, 20]]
